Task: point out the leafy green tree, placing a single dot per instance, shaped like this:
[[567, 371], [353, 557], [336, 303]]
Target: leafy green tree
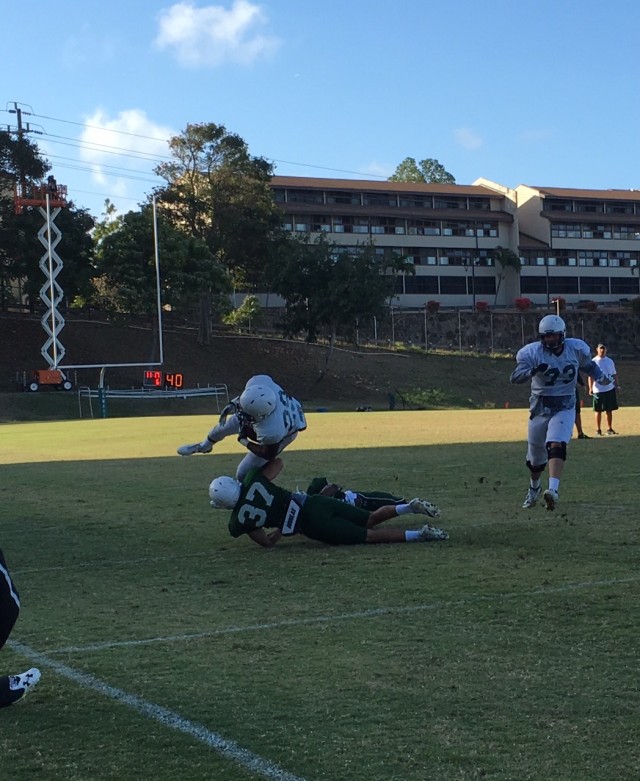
[[507, 260], [126, 266], [327, 288], [216, 191], [20, 248], [248, 315], [428, 171]]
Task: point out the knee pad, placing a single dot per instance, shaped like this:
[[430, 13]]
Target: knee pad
[[535, 468], [557, 451]]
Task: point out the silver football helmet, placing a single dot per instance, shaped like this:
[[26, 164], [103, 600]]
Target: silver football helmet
[[224, 493], [552, 325], [258, 402]]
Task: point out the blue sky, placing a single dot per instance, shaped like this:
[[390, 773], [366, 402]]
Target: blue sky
[[540, 92]]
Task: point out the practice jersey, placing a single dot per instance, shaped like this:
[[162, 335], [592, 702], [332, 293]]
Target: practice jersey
[[287, 418], [608, 369], [561, 375], [261, 503]]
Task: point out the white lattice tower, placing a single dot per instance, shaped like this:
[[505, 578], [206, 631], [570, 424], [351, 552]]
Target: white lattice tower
[[51, 292]]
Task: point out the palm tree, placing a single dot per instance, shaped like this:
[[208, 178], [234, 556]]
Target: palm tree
[[506, 259]]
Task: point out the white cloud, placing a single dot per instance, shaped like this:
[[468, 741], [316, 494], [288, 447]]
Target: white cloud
[[123, 163], [467, 138], [211, 36]]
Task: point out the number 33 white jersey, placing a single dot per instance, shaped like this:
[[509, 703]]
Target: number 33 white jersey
[[287, 418], [561, 373]]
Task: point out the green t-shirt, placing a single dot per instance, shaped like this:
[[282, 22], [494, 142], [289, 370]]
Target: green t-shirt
[[261, 503]]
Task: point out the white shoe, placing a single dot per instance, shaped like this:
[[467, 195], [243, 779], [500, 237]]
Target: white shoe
[[429, 533], [197, 447], [531, 499], [20, 685], [551, 499], [423, 507]]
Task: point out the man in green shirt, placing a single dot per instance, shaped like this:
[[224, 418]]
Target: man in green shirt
[[258, 504]]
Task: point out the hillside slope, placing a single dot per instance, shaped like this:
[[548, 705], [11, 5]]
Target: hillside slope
[[353, 377]]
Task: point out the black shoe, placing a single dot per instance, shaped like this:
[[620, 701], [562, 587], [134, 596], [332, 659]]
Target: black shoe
[[583, 436]]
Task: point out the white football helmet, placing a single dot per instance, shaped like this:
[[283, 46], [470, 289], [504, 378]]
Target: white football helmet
[[258, 402], [224, 493], [552, 325]]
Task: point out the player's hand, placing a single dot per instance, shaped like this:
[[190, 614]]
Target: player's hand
[[541, 369]]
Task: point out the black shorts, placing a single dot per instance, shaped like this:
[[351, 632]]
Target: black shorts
[[605, 402], [9, 602]]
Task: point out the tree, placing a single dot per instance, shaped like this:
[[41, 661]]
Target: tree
[[126, 266], [327, 288], [428, 171], [20, 249], [507, 260], [219, 193]]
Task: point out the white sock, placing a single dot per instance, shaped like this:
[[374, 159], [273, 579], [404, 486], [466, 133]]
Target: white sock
[[403, 509], [412, 536], [554, 484], [534, 483]]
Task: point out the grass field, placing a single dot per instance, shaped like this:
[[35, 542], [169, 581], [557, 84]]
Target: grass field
[[170, 650]]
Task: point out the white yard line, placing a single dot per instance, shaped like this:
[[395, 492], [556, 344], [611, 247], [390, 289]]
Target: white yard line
[[361, 614], [228, 749]]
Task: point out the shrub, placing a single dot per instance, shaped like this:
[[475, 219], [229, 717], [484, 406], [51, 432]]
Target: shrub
[[433, 306], [523, 304], [560, 302], [482, 306]]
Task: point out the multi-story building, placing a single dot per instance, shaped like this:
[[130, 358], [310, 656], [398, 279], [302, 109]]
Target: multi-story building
[[583, 245], [447, 230]]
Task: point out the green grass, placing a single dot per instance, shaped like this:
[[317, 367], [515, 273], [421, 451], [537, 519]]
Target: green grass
[[509, 652]]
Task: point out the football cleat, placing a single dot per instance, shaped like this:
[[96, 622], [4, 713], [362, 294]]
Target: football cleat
[[551, 499], [610, 431], [531, 499], [430, 533], [18, 686], [197, 447], [423, 507]]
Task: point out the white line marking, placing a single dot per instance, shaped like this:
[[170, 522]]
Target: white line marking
[[371, 613], [228, 749]]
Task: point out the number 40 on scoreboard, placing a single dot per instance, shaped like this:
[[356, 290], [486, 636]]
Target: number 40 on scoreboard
[[159, 379]]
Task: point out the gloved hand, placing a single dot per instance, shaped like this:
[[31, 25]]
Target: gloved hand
[[231, 409], [541, 369], [206, 446]]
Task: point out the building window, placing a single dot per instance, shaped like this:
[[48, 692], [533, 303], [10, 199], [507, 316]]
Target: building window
[[423, 228], [596, 232], [594, 285], [566, 230], [416, 202], [320, 224], [387, 225], [279, 195], [483, 285], [452, 286], [618, 208], [625, 286], [304, 196], [344, 198], [534, 285], [480, 203], [420, 284], [626, 232], [557, 205], [382, 199], [563, 285], [591, 207], [449, 203], [487, 229], [458, 228]]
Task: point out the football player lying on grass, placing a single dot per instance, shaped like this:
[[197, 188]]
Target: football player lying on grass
[[258, 504], [367, 500], [265, 420]]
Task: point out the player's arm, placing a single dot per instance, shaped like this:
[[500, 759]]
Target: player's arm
[[265, 540]]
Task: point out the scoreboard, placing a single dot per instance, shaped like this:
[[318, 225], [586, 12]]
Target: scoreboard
[[153, 378]]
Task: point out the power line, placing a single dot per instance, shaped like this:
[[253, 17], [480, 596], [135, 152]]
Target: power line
[[156, 139]]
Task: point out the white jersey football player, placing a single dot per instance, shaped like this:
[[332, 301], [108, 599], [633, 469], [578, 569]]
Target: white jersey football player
[[264, 418], [552, 365]]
